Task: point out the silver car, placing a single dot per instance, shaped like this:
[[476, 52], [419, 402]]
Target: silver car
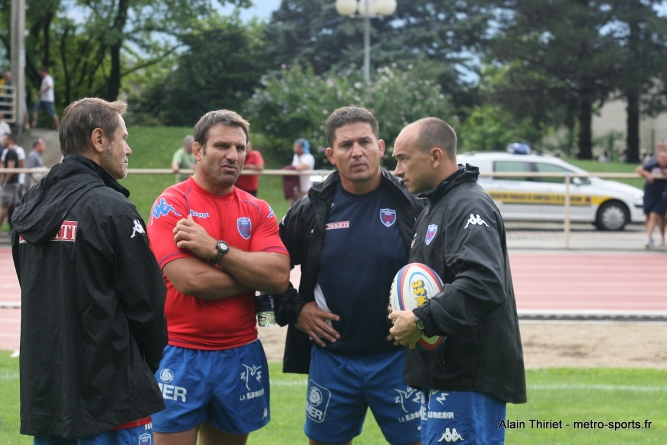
[[610, 205]]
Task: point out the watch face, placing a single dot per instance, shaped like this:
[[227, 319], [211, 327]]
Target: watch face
[[222, 247]]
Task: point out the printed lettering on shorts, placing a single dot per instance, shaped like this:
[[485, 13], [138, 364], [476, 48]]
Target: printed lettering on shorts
[[410, 401], [171, 392], [252, 377], [318, 402]]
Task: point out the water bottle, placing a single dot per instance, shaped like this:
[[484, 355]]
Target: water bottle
[[266, 311]]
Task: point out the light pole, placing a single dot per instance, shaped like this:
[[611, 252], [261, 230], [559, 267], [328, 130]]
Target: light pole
[[366, 9]]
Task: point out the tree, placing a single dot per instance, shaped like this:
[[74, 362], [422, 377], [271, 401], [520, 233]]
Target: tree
[[562, 42], [642, 39], [105, 40], [219, 68], [448, 32]]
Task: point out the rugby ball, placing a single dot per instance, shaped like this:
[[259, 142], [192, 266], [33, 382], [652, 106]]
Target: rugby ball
[[413, 285]]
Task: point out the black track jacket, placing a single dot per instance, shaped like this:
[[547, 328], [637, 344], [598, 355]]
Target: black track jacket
[[461, 235], [92, 305], [302, 232]]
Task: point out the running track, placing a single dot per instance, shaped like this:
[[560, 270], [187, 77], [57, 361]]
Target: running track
[[544, 282]]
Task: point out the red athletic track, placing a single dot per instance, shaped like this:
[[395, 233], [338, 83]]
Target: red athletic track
[[552, 281]]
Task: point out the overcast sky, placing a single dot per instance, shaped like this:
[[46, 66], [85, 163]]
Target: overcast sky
[[261, 9]]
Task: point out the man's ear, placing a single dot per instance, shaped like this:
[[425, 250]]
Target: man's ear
[[437, 157], [197, 150], [99, 140], [330, 156], [382, 146]]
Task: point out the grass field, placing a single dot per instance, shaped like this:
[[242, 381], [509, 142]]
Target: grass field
[[582, 395]]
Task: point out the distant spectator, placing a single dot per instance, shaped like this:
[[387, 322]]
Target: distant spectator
[[10, 181], [4, 127], [21, 155], [654, 194], [623, 157], [46, 99], [34, 160], [183, 159], [253, 161], [604, 157], [302, 160]]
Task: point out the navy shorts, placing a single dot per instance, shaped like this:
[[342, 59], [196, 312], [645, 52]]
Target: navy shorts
[[466, 417], [228, 389], [341, 389], [46, 106], [141, 435], [655, 201]]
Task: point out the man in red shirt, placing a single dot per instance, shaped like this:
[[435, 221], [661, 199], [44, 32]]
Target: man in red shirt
[[216, 245], [253, 161]]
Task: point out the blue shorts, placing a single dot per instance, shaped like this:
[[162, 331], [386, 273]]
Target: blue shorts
[[467, 417], [142, 435], [46, 106], [341, 388], [228, 389], [655, 201]]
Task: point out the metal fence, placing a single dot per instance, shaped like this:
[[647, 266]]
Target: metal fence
[[320, 175], [8, 103]]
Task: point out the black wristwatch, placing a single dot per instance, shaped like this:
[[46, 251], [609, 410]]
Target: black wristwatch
[[222, 249], [419, 323]]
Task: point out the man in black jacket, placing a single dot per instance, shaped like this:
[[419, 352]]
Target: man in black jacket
[[350, 234], [469, 378], [92, 295]]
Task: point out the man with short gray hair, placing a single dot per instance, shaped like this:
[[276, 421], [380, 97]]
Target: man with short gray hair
[[34, 160], [183, 159]]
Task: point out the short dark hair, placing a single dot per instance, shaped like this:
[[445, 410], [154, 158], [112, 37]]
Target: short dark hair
[[36, 143], [350, 115], [82, 117], [221, 117], [11, 137], [434, 132]]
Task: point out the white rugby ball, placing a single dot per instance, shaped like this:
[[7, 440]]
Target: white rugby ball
[[413, 285]]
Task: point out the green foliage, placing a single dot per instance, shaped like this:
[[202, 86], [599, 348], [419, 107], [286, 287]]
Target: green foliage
[[219, 69], [295, 102], [490, 128]]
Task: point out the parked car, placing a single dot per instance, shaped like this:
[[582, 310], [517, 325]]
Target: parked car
[[610, 205]]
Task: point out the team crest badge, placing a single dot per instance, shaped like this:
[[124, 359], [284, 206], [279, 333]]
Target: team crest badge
[[245, 227], [430, 233], [388, 217], [145, 439]]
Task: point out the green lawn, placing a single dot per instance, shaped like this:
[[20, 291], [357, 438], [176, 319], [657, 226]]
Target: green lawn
[[581, 395]]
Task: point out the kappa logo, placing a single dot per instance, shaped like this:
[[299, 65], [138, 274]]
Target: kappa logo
[[337, 225], [431, 230], [145, 439], [450, 436], [388, 217], [475, 220], [244, 225], [162, 209], [138, 228]]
